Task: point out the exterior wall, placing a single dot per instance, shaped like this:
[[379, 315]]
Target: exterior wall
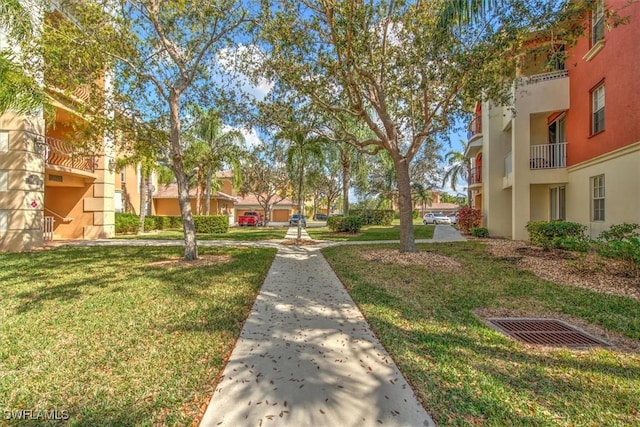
[[21, 185], [496, 201], [171, 207], [622, 189], [529, 127], [540, 208], [227, 187], [617, 65], [68, 202]]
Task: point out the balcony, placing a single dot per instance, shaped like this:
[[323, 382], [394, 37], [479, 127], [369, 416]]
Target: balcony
[[475, 176], [65, 156], [548, 156], [542, 93], [537, 78], [474, 137], [475, 127]]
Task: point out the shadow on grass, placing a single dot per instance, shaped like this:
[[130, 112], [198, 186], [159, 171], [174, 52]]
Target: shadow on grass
[[468, 373]]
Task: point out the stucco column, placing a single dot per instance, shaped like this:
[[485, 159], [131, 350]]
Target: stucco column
[[21, 183], [521, 198]]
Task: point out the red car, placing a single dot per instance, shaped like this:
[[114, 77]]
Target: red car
[[251, 218]]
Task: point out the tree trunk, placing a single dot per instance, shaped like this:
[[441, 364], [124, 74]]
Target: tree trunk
[[199, 192], [190, 243], [346, 180], [143, 197], [469, 184], [207, 191], [407, 240], [300, 178]]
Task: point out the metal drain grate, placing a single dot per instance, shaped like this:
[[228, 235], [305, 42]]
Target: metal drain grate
[[549, 332]]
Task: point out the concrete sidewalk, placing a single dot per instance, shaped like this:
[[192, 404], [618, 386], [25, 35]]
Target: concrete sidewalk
[[307, 357]]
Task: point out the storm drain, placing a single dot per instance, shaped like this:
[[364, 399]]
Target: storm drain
[[549, 332]]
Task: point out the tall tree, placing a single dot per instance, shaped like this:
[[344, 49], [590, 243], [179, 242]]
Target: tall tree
[[393, 67], [303, 149], [222, 147], [162, 55], [19, 90], [458, 169], [265, 176]]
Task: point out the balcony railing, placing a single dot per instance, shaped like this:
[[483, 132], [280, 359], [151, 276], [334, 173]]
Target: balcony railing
[[475, 175], [474, 127], [537, 78], [548, 156], [64, 153], [47, 228]]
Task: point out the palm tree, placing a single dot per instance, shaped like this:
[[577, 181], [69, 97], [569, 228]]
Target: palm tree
[[459, 168], [19, 91], [220, 147], [303, 150], [465, 11], [421, 194]]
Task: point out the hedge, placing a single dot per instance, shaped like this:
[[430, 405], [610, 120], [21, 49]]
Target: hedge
[[212, 224], [468, 219], [622, 242], [374, 216], [130, 223], [349, 224], [127, 223], [558, 235]]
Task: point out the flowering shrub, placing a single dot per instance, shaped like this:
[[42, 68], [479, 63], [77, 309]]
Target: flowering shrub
[[468, 218]]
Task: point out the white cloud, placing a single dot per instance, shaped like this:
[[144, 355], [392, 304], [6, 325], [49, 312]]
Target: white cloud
[[244, 62], [251, 137]]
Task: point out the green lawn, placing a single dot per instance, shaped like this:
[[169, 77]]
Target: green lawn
[[234, 233], [114, 339], [465, 372], [370, 232]]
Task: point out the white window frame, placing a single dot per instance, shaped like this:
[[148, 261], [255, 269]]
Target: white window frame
[[597, 22], [597, 188], [597, 109], [558, 203]]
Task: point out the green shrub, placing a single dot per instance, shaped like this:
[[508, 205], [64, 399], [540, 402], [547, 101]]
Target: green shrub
[[468, 218], [557, 234], [348, 224], [415, 214], [211, 224], [479, 232], [149, 223], [127, 222], [622, 241], [374, 216]]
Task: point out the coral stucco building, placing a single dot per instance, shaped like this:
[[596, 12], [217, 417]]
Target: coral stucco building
[[569, 146]]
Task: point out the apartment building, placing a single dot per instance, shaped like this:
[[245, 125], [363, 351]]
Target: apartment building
[[49, 185], [569, 146]]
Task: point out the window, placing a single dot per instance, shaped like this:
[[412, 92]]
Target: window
[[123, 175], [597, 198], [558, 203], [597, 110], [597, 22]]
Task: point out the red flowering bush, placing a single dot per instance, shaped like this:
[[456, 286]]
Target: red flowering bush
[[468, 218]]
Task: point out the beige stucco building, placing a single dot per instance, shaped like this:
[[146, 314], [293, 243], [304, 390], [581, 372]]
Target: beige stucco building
[[569, 145]]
